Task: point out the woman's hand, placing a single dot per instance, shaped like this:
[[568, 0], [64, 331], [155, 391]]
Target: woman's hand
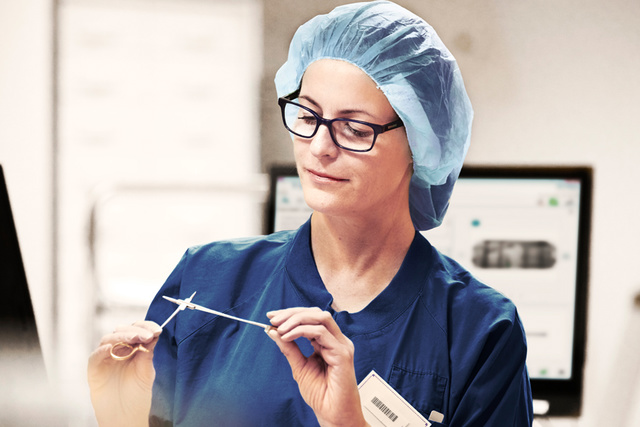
[[326, 379], [121, 389]]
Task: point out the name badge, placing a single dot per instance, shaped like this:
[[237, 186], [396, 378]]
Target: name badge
[[384, 407]]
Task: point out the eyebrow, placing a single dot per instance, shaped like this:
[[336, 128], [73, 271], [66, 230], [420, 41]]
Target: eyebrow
[[341, 112]]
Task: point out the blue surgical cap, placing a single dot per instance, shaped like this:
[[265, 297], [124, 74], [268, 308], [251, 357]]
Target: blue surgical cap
[[407, 60]]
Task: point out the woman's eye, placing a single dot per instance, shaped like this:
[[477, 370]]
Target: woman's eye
[[358, 130], [307, 119]]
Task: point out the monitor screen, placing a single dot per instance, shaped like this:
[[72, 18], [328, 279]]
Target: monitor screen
[[525, 232]]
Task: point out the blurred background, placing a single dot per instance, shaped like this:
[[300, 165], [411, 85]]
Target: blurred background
[[131, 129]]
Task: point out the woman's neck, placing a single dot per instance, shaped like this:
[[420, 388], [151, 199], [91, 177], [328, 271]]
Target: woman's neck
[[357, 259]]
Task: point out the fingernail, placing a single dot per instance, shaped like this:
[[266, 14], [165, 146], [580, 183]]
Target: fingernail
[[271, 331]]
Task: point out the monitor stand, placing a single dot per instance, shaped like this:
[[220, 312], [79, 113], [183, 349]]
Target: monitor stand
[[540, 407]]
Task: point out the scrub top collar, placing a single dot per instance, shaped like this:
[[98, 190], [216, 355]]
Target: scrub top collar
[[388, 306]]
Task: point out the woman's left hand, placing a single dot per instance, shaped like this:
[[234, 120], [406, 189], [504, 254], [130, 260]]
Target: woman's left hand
[[326, 379]]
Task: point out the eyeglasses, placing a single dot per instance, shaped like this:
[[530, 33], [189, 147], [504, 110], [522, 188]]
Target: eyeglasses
[[352, 135]]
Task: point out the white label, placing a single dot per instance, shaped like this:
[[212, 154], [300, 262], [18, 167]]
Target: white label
[[384, 407]]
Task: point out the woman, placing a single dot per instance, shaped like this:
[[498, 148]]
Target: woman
[[380, 123]]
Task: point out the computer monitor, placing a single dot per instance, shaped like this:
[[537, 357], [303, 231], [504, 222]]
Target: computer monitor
[[18, 331], [26, 398], [524, 231]]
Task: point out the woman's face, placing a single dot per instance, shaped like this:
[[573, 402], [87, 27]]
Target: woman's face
[[338, 182]]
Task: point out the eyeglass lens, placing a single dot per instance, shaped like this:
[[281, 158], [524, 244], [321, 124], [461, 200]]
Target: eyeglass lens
[[346, 133]]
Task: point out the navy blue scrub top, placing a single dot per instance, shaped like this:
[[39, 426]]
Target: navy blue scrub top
[[440, 338]]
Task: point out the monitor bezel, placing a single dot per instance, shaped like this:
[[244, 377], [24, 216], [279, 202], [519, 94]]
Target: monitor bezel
[[275, 172], [19, 337]]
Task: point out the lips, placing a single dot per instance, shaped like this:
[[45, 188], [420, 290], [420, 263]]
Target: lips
[[323, 176]]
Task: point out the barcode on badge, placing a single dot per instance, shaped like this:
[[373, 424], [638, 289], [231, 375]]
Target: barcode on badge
[[384, 408]]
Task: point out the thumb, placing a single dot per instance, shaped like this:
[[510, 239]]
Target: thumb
[[290, 350]]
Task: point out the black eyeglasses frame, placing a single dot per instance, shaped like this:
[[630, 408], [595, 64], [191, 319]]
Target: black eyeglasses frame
[[377, 129]]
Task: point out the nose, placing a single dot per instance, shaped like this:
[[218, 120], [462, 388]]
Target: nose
[[322, 144]]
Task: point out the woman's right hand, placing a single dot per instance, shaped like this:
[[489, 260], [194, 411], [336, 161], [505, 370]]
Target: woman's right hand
[[121, 389]]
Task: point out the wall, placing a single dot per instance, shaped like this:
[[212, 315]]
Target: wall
[[550, 84], [153, 155]]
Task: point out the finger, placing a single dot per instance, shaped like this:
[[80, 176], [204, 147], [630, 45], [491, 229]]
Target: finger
[[279, 316], [314, 333], [155, 329], [297, 315], [290, 350], [100, 355], [317, 347], [335, 350], [132, 334], [310, 317], [147, 325]]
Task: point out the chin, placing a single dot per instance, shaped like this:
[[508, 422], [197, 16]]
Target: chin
[[322, 202]]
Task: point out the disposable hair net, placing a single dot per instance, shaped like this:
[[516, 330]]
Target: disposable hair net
[[407, 60]]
